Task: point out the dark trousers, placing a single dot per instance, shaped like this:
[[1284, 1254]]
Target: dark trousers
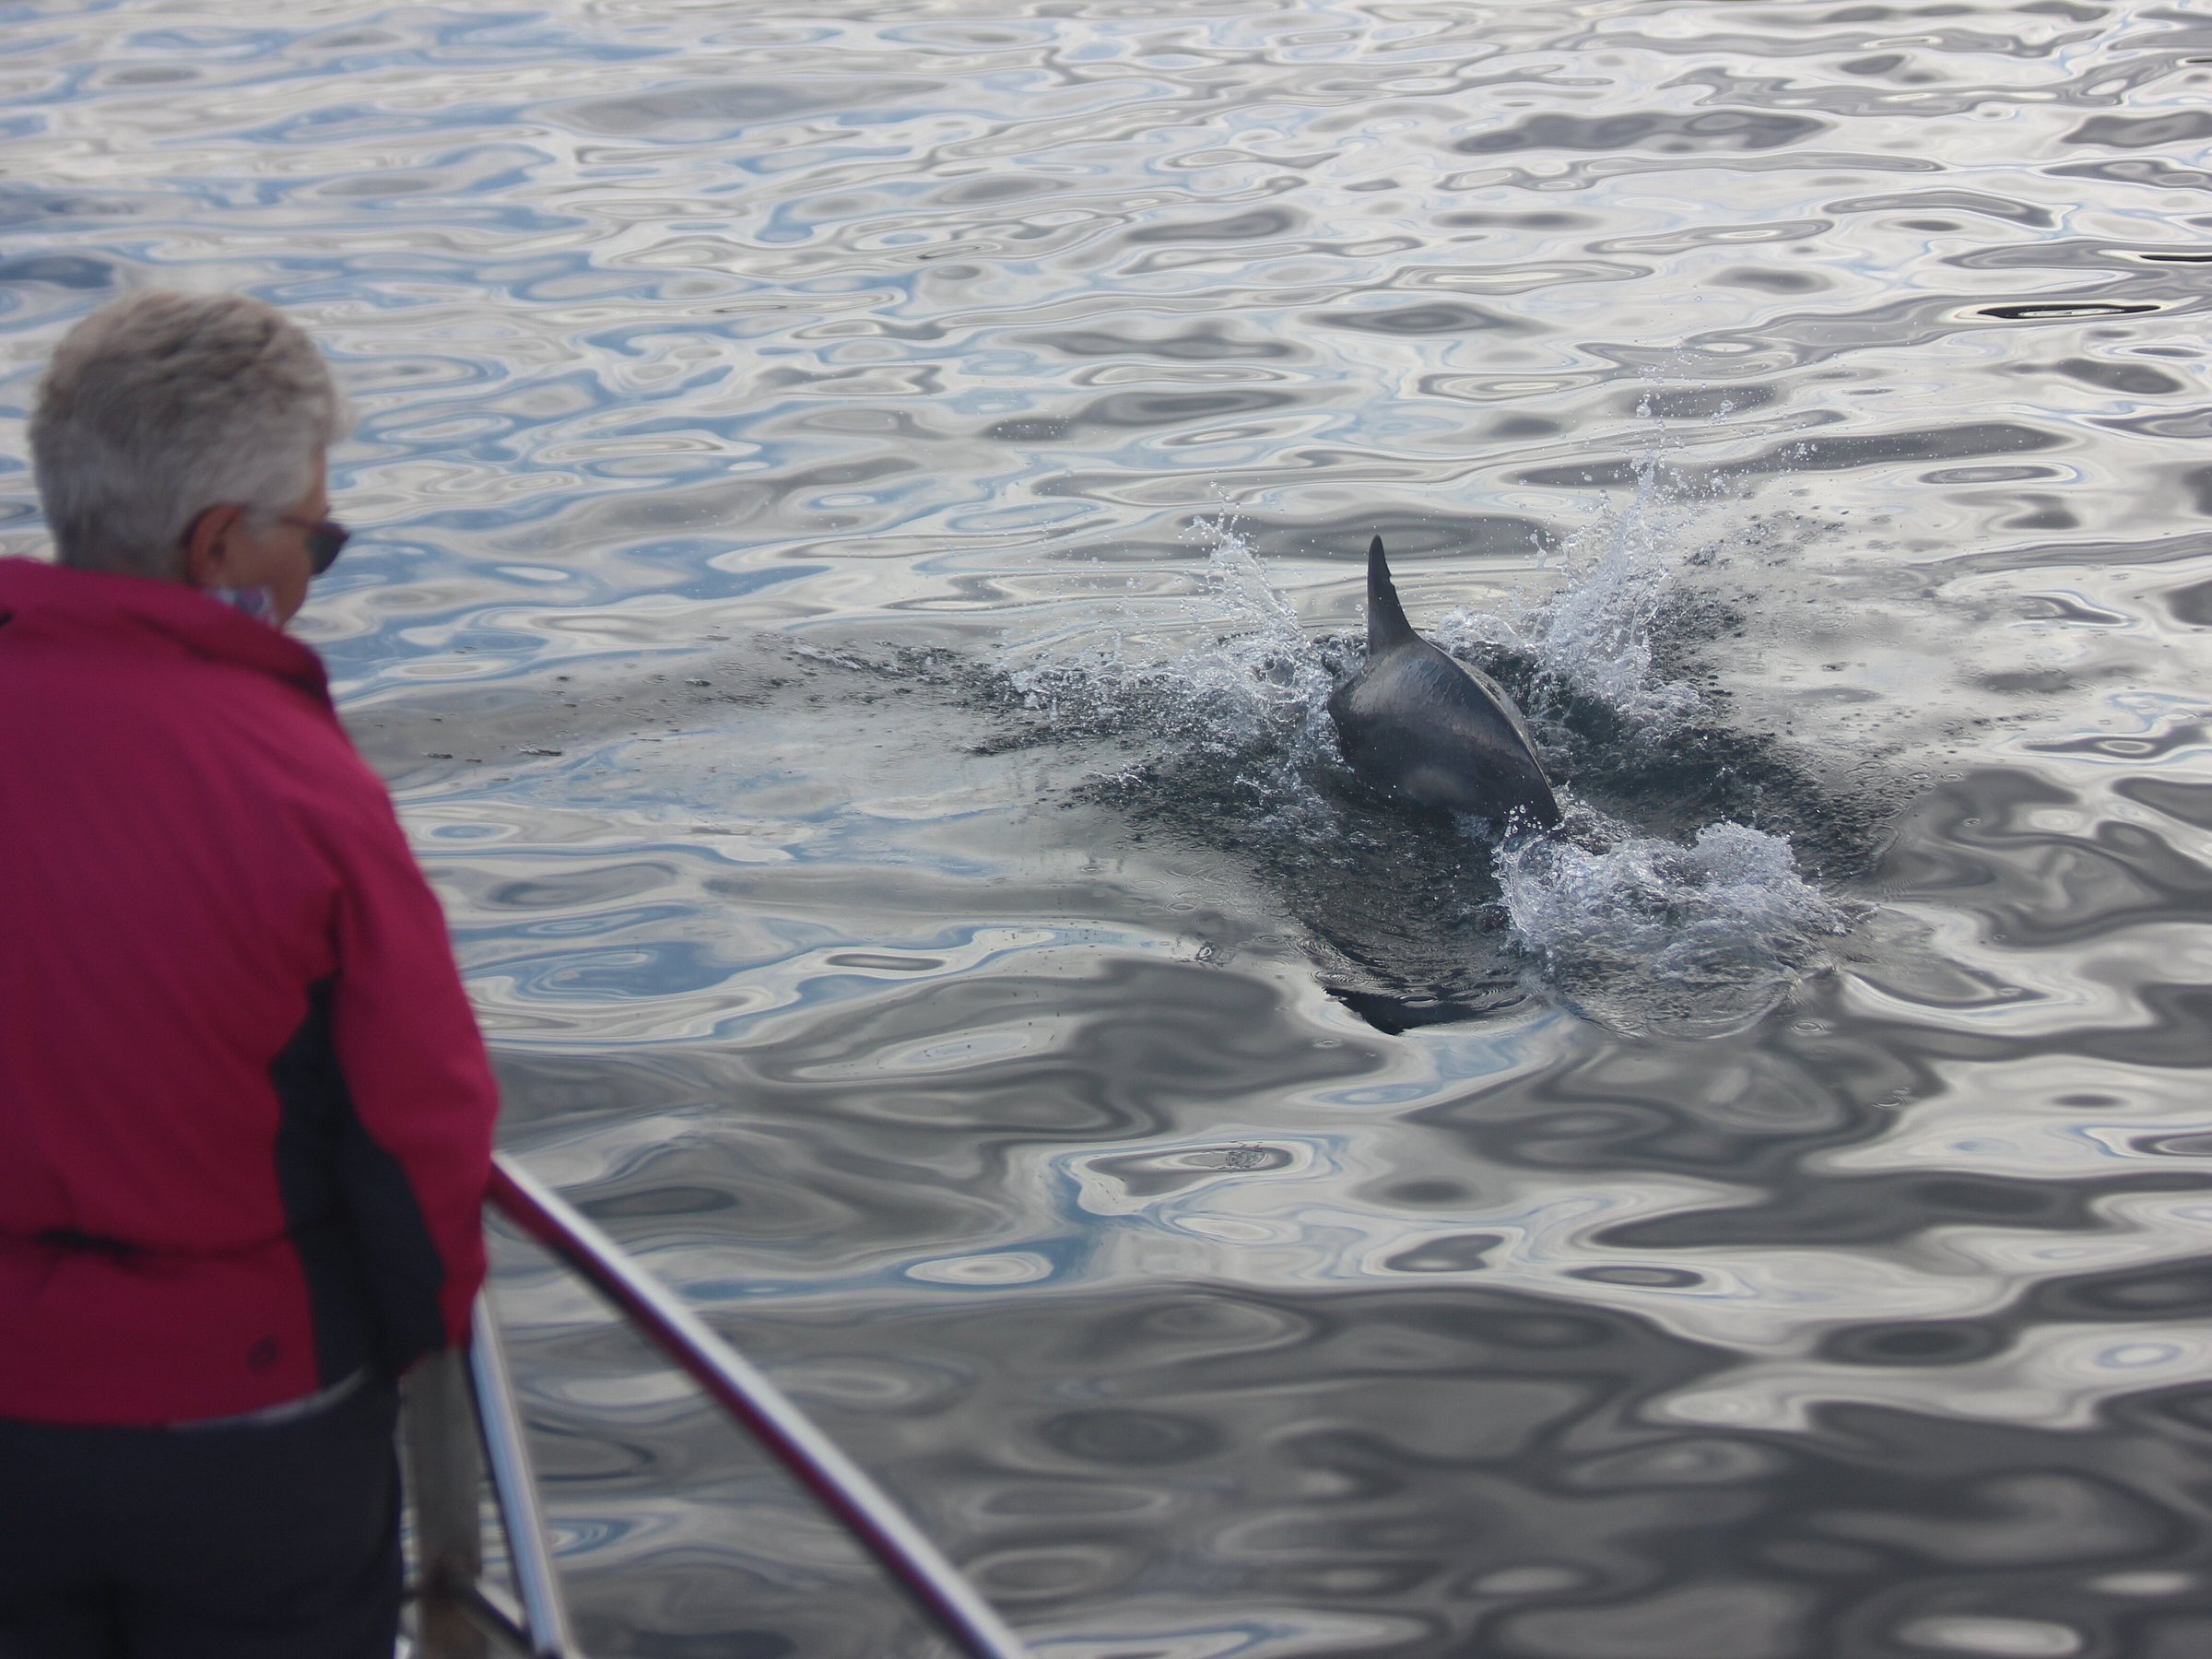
[[266, 1542]]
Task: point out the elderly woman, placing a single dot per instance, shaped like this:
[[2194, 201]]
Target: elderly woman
[[246, 1115]]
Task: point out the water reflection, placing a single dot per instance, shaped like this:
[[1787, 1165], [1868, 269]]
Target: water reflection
[[866, 509]]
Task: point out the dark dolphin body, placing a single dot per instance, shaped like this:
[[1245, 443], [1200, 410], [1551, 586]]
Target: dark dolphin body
[[1421, 726]]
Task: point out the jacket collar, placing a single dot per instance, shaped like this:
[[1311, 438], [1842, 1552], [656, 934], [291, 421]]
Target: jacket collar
[[92, 610]]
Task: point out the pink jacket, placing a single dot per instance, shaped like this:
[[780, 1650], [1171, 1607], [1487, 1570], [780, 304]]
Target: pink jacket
[[245, 1115]]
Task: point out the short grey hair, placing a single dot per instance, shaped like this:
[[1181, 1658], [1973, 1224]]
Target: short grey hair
[[160, 406]]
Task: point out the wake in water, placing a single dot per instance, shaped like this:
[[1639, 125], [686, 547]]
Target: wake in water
[[1676, 906], [1643, 933]]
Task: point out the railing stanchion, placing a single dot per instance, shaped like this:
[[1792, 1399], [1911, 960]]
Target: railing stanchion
[[444, 1464], [513, 1482]]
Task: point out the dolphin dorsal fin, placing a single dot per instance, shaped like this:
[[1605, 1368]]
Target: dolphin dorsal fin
[[1386, 624]]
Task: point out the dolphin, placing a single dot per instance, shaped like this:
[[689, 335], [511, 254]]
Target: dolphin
[[1422, 725]]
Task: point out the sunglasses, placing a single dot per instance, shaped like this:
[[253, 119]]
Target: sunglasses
[[327, 538]]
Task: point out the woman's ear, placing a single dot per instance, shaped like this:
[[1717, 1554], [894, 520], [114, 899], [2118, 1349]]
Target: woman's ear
[[208, 541]]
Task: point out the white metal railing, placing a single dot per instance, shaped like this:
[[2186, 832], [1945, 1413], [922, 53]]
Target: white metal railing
[[463, 1423]]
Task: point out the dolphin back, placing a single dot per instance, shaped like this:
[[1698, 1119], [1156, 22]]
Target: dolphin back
[[1420, 724]]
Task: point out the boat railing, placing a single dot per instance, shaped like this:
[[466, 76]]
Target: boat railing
[[463, 1425]]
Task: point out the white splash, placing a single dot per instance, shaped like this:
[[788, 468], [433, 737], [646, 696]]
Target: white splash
[[1593, 636], [1268, 656], [1652, 937], [1257, 665], [1253, 693]]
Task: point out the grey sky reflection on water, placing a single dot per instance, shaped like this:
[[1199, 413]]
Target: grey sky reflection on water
[[895, 856]]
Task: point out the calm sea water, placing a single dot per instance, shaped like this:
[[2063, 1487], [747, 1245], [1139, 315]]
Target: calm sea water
[[861, 506]]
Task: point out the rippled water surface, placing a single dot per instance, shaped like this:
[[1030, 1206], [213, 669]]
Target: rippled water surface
[[860, 512]]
